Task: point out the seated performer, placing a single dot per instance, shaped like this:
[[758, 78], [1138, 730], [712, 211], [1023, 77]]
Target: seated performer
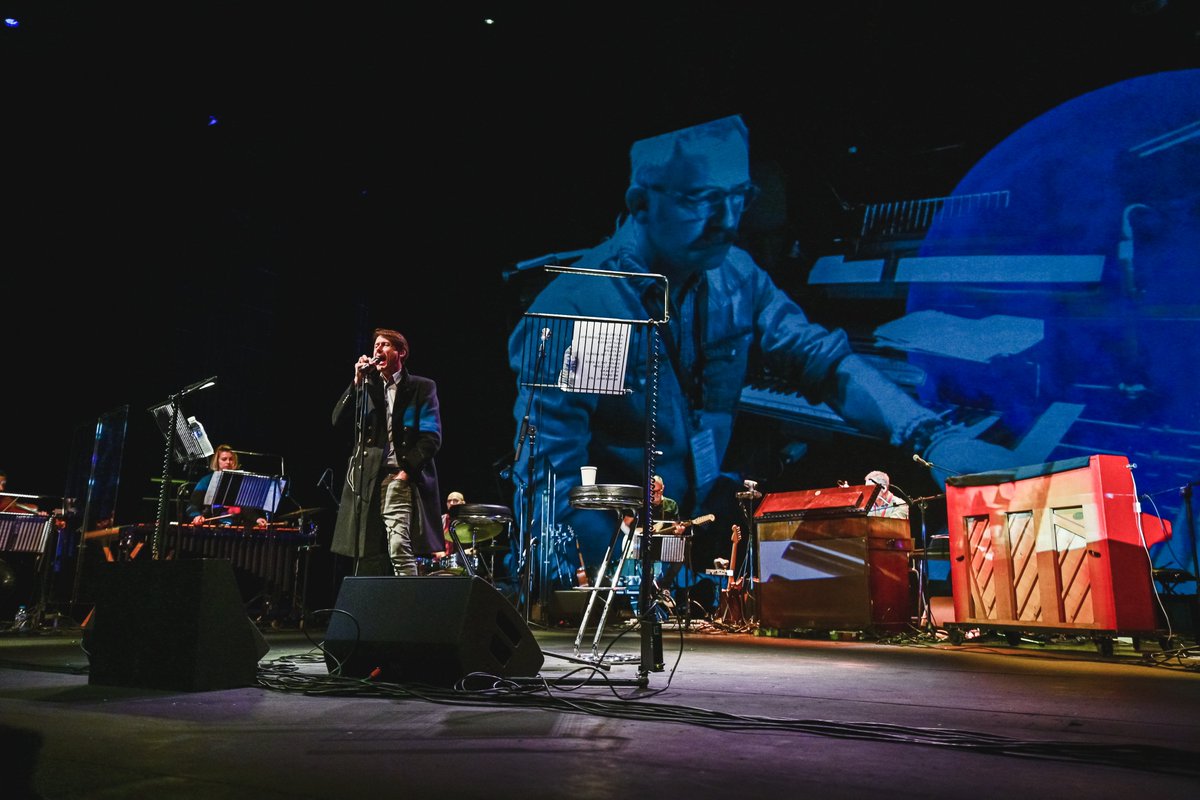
[[11, 503], [453, 499], [886, 504], [663, 510], [198, 513]]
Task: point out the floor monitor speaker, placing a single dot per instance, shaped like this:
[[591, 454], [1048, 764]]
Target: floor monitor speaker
[[434, 630], [176, 625]]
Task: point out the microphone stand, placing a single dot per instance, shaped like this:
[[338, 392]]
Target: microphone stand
[[528, 433], [932, 467], [282, 468], [361, 495], [924, 614], [747, 499]]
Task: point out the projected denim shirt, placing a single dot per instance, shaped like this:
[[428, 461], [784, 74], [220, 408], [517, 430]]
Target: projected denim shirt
[[744, 313]]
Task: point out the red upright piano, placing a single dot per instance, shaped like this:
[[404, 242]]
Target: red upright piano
[[1060, 546]]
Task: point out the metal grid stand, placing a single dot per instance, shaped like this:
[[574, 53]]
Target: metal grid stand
[[553, 359]]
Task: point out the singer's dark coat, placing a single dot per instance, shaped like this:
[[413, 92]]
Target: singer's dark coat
[[361, 535]]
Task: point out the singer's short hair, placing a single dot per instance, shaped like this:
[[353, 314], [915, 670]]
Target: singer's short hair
[[215, 464], [396, 338]]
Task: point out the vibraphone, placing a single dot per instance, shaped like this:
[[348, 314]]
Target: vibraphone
[[275, 555], [24, 533]]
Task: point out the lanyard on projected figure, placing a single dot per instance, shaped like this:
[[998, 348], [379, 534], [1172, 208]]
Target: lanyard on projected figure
[[702, 453]]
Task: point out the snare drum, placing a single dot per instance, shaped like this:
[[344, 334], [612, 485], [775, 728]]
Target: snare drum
[[451, 564]]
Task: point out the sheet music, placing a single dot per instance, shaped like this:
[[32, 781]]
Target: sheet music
[[245, 489], [595, 361], [958, 337]]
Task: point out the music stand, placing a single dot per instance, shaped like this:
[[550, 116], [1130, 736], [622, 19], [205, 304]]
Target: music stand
[[190, 441], [592, 355], [181, 439], [231, 487]]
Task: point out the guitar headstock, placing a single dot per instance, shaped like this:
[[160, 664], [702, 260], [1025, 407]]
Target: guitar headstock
[[736, 535]]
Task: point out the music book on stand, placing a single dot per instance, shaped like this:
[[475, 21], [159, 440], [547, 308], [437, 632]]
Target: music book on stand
[[231, 487]]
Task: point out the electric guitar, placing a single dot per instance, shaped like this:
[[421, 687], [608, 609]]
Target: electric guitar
[[668, 526], [733, 597], [581, 578]]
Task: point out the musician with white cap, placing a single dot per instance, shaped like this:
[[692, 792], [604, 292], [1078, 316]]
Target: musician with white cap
[[886, 504]]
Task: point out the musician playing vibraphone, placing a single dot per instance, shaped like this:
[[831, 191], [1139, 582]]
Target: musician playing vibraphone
[[199, 513]]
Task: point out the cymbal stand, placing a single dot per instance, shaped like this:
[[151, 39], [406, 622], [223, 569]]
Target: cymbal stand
[[461, 553]]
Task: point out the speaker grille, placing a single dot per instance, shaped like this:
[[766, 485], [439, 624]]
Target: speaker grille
[[433, 630]]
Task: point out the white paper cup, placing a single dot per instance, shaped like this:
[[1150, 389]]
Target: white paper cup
[[587, 476]]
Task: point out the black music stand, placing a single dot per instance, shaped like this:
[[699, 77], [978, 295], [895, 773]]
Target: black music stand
[[231, 487], [186, 440], [592, 355]]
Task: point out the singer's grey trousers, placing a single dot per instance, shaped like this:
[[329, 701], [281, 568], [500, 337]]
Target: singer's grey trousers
[[400, 517]]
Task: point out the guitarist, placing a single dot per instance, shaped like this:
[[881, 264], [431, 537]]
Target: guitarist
[[662, 509]]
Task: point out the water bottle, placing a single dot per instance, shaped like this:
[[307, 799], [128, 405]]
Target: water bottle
[[21, 620]]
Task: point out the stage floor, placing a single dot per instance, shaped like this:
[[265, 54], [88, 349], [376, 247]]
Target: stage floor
[[731, 712]]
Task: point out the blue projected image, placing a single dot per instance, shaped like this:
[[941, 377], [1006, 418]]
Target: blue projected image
[[687, 193], [1094, 246], [1050, 312]]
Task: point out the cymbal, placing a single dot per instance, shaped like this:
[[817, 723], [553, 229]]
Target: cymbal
[[470, 533], [299, 512]]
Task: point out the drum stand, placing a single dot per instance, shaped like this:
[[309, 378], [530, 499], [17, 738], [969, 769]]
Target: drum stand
[[477, 518]]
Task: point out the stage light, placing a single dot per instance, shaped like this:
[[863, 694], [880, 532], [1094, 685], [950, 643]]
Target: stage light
[[212, 120], [11, 22]]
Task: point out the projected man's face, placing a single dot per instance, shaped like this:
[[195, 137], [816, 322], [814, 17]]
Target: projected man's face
[[690, 216]]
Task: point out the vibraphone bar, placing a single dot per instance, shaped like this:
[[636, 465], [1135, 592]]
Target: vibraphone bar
[[24, 533], [271, 554]]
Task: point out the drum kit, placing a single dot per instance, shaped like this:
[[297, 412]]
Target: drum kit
[[474, 529]]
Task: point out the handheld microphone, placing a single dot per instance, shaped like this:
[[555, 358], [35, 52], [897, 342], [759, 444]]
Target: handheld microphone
[[917, 458], [374, 362]]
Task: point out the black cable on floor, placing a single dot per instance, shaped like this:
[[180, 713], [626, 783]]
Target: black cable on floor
[[494, 691]]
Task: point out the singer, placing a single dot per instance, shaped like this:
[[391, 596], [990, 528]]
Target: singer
[[389, 509]]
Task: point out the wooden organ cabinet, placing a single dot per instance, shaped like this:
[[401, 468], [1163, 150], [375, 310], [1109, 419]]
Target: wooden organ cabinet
[[824, 564], [1059, 546]]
